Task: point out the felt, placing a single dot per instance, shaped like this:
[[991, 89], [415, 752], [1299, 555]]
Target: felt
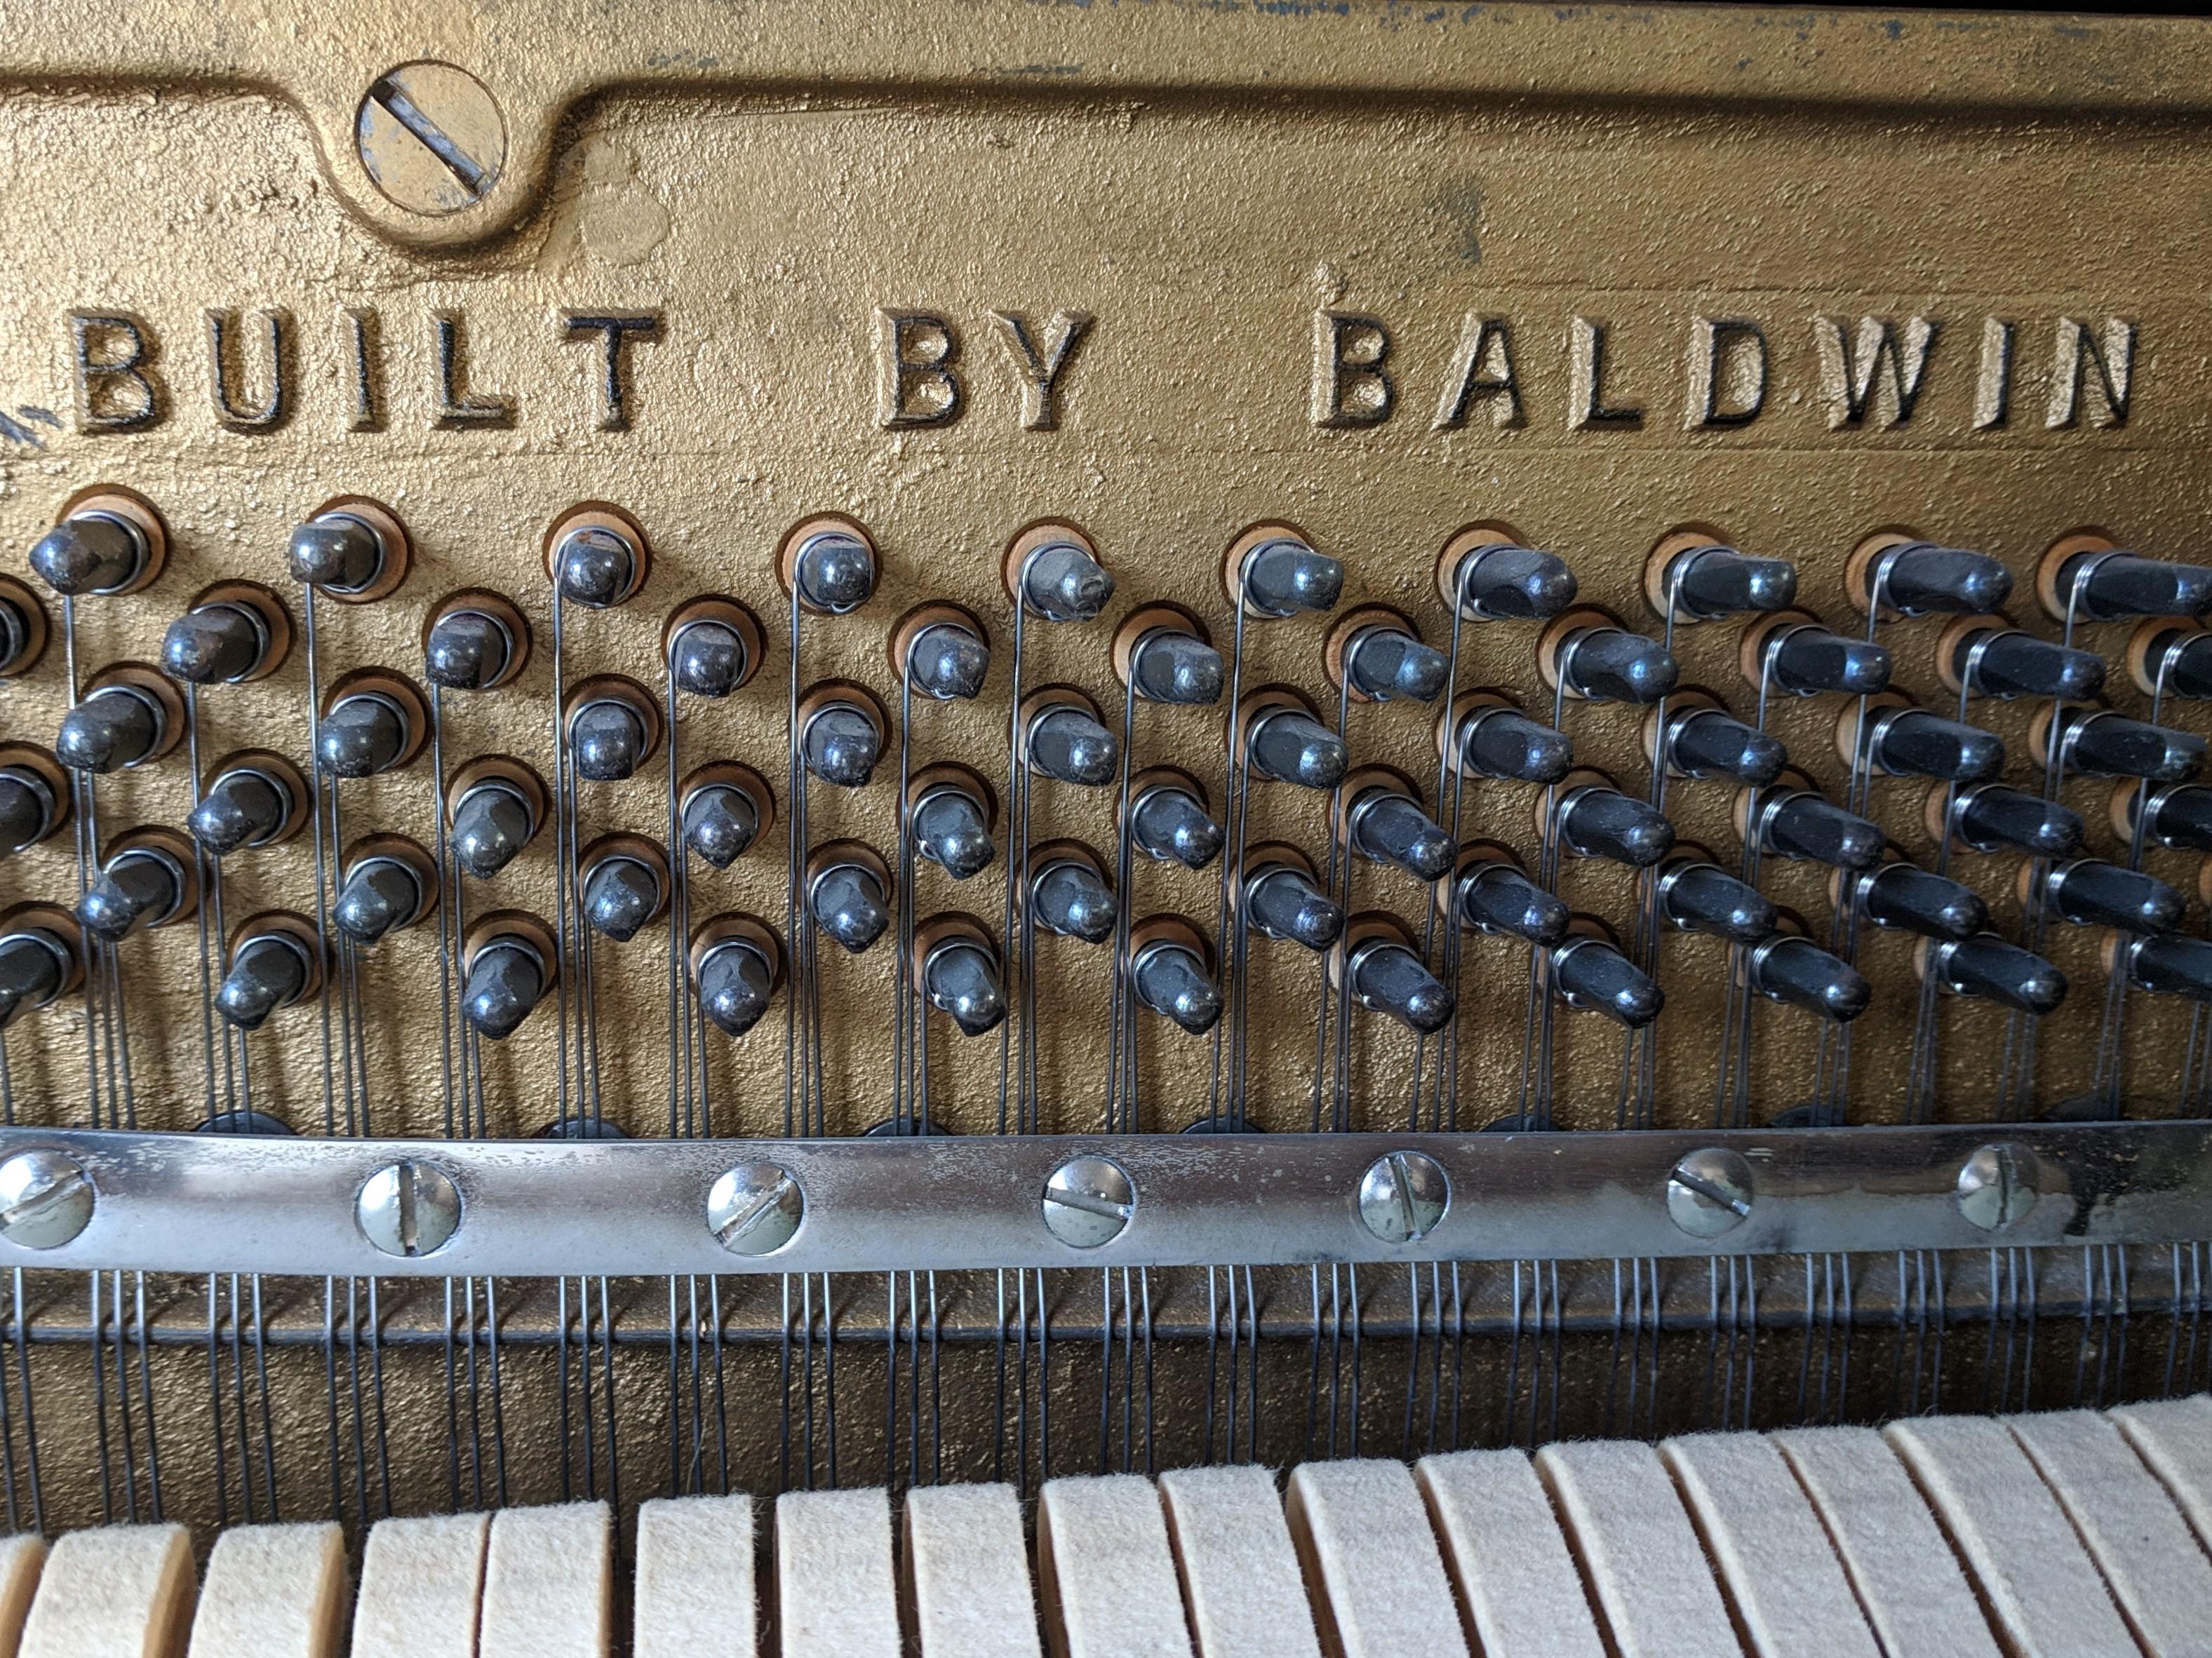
[[1907, 1581], [834, 1594], [275, 1592], [2133, 1531], [1638, 1552], [115, 1591], [2174, 1436], [548, 1584], [1775, 1563], [22, 1559], [1378, 1582], [1241, 1587], [968, 1573], [2042, 1595], [1104, 1571], [1517, 1583], [697, 1580], [421, 1588]]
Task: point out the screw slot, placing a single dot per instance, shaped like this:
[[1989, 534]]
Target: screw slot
[[409, 1209], [1709, 1192], [1088, 1202], [1403, 1196], [45, 1200], [431, 137], [755, 1209]]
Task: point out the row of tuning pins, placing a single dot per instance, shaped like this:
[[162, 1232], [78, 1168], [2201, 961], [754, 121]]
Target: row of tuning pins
[[128, 718]]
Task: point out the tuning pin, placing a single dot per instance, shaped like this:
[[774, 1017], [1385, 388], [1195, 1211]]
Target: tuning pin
[[493, 821], [361, 734], [382, 893], [2098, 743], [1801, 824], [1387, 826], [1598, 821], [1698, 895], [1062, 581], [1708, 582], [1175, 667], [950, 831], [608, 740], [1496, 896], [1606, 664], [506, 976], [91, 552], [2107, 586], [1388, 977], [116, 726], [2005, 662], [1789, 968], [215, 643], [2178, 661], [272, 965], [1995, 816], [833, 567], [625, 884], [1706, 742], [2171, 964], [1502, 742], [250, 804], [1283, 903], [840, 743], [31, 804], [1385, 663], [1067, 743], [1903, 896], [719, 822], [1169, 974], [1806, 660], [1288, 746], [1279, 575], [1502, 582], [36, 965], [848, 900], [708, 659], [1069, 896], [1989, 968], [469, 647], [1912, 743], [596, 566], [143, 885], [1169, 823], [948, 661], [1590, 972], [1919, 578], [960, 976], [2179, 815], [735, 982], [343, 553], [2090, 892], [23, 629]]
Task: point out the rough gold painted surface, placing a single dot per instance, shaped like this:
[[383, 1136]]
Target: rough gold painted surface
[[1202, 227]]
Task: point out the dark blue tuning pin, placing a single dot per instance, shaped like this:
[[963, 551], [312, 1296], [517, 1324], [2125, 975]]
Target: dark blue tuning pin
[[1169, 823], [141, 886], [1902, 896], [1505, 743], [1806, 660], [2181, 662], [1707, 744], [1995, 816], [116, 727], [1073, 900], [2006, 662], [1170, 979], [1791, 969], [1290, 746], [1913, 742], [2172, 964], [36, 963], [1801, 824], [1498, 897], [621, 893], [468, 649], [1991, 968], [268, 969], [1597, 821], [338, 553], [2090, 892], [834, 570], [362, 734], [708, 659], [505, 979], [246, 806], [721, 821], [91, 552], [381, 894], [847, 902], [2181, 817], [952, 831], [960, 977], [1589, 974], [1390, 827], [1610, 665], [213, 645], [948, 662], [735, 984], [1067, 744], [1387, 663], [1062, 581], [1700, 897], [1387, 977], [27, 808], [1506, 583], [492, 822], [609, 739], [2117, 587], [1284, 576], [2098, 743], [840, 743], [1283, 903], [1706, 583], [1921, 579], [1176, 668]]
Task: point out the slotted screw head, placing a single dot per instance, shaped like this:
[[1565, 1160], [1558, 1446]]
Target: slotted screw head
[[1403, 1196], [409, 1209], [1088, 1202], [1998, 1185], [431, 136], [1709, 1192], [45, 1200], [755, 1209]]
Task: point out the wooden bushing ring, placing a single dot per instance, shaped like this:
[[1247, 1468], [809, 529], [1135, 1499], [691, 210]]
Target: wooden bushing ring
[[1159, 616], [25, 603], [1859, 566], [1240, 546], [1348, 627], [516, 774], [615, 687], [735, 926], [503, 610], [518, 925], [734, 774], [297, 928], [132, 508], [267, 608], [1452, 557], [797, 537], [2047, 569], [399, 689], [1042, 532], [290, 782], [731, 613], [1670, 547], [400, 849], [28, 756], [951, 926], [603, 515], [938, 613]]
